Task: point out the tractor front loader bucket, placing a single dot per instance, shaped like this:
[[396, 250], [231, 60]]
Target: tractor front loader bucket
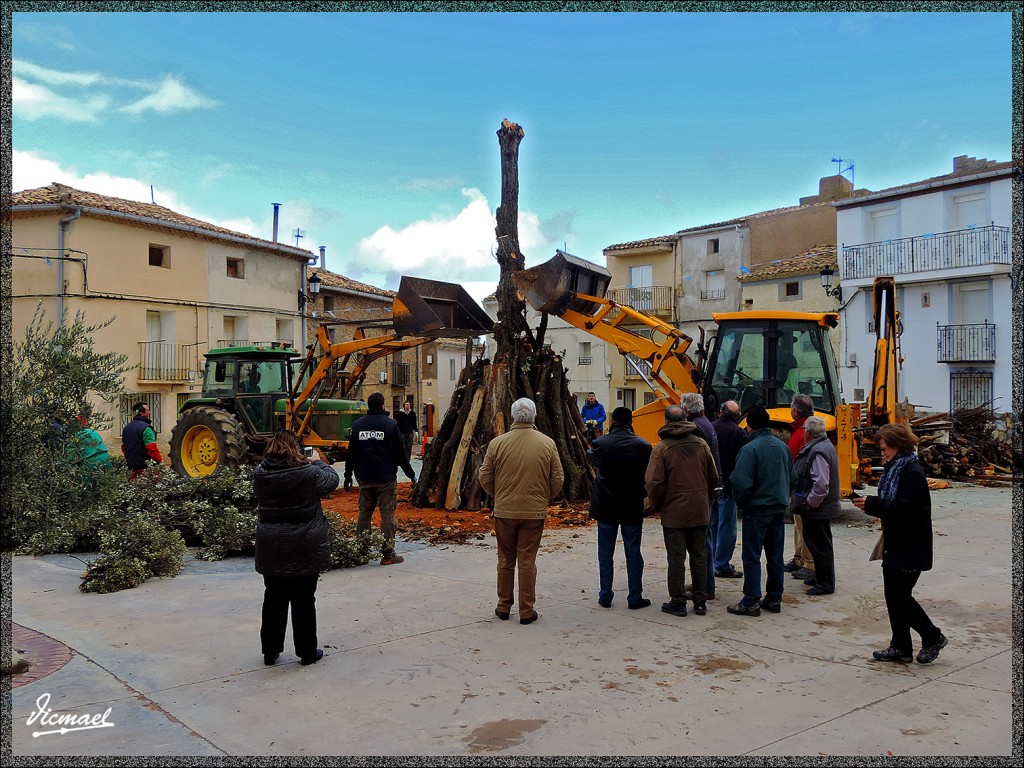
[[552, 286], [433, 308]]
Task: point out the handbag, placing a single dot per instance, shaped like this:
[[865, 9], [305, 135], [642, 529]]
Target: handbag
[[879, 549]]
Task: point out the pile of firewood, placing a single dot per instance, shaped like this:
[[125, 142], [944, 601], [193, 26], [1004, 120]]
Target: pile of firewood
[[963, 444]]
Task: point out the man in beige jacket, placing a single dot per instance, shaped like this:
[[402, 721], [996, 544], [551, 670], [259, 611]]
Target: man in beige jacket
[[522, 473]]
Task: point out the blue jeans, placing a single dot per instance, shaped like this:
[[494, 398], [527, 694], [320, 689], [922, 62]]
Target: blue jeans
[[713, 521], [631, 535], [763, 531], [725, 533]]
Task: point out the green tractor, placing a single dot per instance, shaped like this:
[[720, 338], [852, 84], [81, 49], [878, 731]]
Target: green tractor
[[245, 399]]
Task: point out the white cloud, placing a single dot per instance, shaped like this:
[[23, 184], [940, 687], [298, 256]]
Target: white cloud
[[30, 170], [55, 77], [170, 96], [456, 246], [33, 102], [76, 96]]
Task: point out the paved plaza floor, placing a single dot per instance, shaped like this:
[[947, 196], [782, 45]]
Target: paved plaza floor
[[417, 664]]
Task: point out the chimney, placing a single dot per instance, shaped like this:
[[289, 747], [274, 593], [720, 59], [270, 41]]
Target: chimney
[[962, 164], [323, 256], [277, 208]]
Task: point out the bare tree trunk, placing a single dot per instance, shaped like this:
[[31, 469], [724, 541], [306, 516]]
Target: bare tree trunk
[[522, 367]]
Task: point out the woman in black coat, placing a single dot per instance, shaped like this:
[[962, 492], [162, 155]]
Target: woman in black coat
[[292, 542], [904, 506]]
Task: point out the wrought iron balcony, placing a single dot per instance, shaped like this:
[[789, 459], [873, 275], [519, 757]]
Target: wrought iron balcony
[[655, 299], [164, 361], [399, 374], [974, 342], [946, 250], [223, 343], [713, 295]]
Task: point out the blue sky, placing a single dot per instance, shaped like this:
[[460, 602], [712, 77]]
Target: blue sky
[[377, 131]]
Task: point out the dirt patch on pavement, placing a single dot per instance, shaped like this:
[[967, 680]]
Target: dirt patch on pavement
[[442, 526], [501, 735], [711, 664]]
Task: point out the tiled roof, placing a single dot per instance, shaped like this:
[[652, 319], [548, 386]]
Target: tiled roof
[[648, 243], [56, 194], [670, 239], [810, 263], [334, 280], [759, 215], [984, 166]]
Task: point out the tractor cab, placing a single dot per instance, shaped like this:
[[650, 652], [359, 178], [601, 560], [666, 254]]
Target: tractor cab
[[255, 377]]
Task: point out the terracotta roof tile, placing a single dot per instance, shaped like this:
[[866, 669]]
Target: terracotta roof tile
[[648, 243], [334, 280], [809, 263], [670, 239], [56, 194], [984, 166]]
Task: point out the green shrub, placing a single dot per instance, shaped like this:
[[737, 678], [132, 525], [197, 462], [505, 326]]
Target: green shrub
[[132, 550], [349, 550]]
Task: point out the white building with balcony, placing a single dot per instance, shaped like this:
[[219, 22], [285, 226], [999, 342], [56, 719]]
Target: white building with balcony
[[947, 242]]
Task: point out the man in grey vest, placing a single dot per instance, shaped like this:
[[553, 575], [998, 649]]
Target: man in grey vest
[[816, 500]]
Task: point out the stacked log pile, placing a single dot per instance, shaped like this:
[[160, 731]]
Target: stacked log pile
[[964, 444]]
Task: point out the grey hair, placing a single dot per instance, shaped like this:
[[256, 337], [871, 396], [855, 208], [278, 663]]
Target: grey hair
[[815, 426], [675, 413], [692, 403], [803, 405], [524, 411]]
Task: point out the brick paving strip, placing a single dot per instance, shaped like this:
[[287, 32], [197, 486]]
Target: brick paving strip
[[44, 653]]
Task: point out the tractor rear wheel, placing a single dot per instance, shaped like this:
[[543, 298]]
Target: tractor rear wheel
[[205, 439]]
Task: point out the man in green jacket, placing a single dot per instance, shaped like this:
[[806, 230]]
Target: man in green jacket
[[761, 485]]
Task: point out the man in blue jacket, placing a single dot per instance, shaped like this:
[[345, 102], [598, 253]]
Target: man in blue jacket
[[593, 411], [375, 452], [761, 485]]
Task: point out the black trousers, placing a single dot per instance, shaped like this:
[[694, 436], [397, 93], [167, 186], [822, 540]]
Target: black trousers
[[818, 538], [905, 613], [299, 592]]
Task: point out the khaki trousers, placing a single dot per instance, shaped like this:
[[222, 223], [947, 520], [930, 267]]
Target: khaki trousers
[[518, 542], [801, 553]]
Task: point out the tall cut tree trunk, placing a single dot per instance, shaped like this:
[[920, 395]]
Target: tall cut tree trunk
[[522, 367]]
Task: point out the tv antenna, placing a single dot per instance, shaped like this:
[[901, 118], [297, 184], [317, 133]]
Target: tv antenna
[[298, 234], [840, 170]]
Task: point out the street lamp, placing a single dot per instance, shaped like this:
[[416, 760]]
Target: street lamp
[[826, 282], [313, 286]]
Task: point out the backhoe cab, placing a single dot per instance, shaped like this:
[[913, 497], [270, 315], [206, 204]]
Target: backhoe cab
[[251, 391], [754, 357]]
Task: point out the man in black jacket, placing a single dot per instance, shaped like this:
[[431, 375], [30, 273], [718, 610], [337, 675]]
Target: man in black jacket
[[617, 499], [375, 453], [406, 421], [731, 437]]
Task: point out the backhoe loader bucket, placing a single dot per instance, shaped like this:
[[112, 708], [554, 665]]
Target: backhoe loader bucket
[[550, 287], [435, 309]]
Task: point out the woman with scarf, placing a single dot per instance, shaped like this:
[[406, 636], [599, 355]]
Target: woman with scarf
[[904, 506]]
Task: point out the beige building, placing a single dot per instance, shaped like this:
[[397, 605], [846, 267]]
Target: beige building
[[685, 277], [173, 286]]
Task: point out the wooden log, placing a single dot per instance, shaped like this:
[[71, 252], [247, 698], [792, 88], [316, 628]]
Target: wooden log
[[474, 491], [454, 495]]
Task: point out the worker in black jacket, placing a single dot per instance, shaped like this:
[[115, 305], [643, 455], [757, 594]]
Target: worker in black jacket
[[375, 452]]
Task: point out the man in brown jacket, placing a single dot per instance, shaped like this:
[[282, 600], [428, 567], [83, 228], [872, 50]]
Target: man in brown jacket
[[522, 473], [681, 478]]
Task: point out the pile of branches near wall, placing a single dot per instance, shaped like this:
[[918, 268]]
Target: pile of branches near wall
[[479, 411], [965, 443]]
